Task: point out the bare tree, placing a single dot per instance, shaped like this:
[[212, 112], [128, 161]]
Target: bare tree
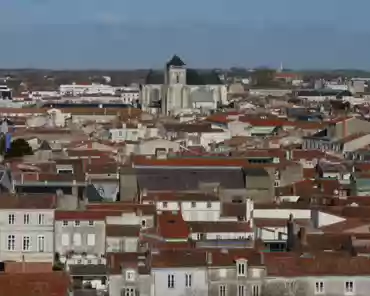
[[284, 288]]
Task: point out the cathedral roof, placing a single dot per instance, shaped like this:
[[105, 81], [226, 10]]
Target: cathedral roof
[[193, 77]]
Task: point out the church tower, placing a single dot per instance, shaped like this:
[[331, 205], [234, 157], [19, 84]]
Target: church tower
[[175, 71]]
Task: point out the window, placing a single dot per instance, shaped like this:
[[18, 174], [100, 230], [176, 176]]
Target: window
[[41, 219], [255, 290], [26, 243], [187, 280], [41, 243], [130, 275], [26, 219], [91, 239], [129, 292], [91, 222], [65, 239], [11, 219], [241, 268], [143, 223], [89, 261], [319, 287], [77, 223], [241, 290], [193, 204], [171, 281], [65, 223], [11, 242], [349, 287], [77, 239], [222, 290], [165, 204], [209, 204]]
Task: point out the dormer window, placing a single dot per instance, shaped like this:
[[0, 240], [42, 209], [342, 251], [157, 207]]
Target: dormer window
[[241, 266]]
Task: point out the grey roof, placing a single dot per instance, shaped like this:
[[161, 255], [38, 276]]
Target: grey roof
[[6, 179], [188, 178], [256, 172], [175, 61], [89, 269], [92, 194], [45, 146], [193, 77]]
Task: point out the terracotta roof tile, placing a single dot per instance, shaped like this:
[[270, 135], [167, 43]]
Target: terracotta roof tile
[[84, 215], [123, 207], [213, 227], [27, 201], [171, 225], [320, 265], [113, 230], [35, 284], [187, 161]]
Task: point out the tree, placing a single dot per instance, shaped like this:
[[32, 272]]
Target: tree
[[285, 288], [263, 77], [19, 148]]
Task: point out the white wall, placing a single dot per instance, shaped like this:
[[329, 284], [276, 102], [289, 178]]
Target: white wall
[[160, 282]]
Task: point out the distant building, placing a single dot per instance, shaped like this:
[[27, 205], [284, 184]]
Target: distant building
[[88, 89], [178, 87]]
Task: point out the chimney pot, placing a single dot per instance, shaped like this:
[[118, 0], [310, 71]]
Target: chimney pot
[[209, 258], [303, 236]]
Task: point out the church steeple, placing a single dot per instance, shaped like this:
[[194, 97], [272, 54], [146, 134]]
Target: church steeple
[[175, 61], [175, 72], [281, 69]]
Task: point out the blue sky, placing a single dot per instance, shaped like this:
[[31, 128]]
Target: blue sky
[[217, 33]]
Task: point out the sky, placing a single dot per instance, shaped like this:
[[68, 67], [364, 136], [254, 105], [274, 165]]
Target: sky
[[127, 34]]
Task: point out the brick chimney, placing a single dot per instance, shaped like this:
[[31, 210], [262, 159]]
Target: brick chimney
[[303, 236], [290, 243]]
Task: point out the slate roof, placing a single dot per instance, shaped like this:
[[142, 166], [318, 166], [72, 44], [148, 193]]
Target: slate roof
[[188, 178], [175, 61], [81, 269], [193, 77], [92, 194]]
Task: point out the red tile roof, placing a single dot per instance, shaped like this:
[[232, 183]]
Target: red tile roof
[[35, 284], [171, 225], [27, 201], [122, 207], [187, 161], [84, 215]]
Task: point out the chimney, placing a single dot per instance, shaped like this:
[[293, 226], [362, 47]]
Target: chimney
[[209, 258], [23, 264], [112, 261], [290, 243], [262, 258], [303, 236], [278, 199]]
